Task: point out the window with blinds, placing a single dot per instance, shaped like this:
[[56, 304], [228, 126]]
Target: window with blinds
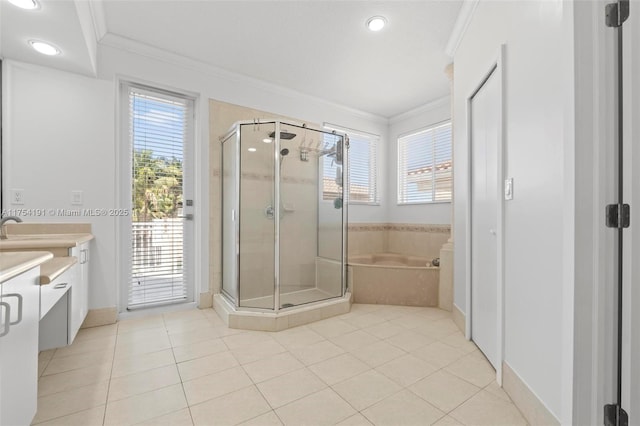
[[160, 127], [425, 166], [362, 171]]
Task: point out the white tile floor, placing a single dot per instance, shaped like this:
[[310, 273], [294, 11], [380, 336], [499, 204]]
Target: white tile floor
[[380, 365]]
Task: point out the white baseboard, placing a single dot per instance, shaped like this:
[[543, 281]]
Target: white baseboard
[[458, 318], [206, 300], [101, 316], [533, 410]]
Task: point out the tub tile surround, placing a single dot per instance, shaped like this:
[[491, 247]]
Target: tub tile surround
[[191, 369], [409, 239], [399, 286], [395, 285]]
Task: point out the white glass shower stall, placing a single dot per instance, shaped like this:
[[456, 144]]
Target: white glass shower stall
[[284, 215]]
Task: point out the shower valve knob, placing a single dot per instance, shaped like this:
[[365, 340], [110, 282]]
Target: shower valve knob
[[269, 212]]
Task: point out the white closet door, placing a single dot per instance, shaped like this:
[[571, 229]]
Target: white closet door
[[485, 122]]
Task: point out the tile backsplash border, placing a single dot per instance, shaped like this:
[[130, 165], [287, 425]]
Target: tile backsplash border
[[402, 227], [410, 239]]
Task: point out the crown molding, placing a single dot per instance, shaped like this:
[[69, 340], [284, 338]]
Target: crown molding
[[99, 21], [87, 26], [437, 103], [132, 46], [462, 23]]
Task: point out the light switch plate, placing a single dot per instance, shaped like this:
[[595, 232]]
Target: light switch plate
[[508, 189], [76, 198]]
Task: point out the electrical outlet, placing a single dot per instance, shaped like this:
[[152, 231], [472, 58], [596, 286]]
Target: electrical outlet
[[17, 196], [76, 198]]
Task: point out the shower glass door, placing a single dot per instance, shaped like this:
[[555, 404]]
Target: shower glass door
[[310, 232], [257, 216]]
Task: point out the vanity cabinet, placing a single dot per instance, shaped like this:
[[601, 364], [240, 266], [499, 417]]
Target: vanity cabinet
[[79, 305], [19, 317], [55, 313], [65, 302]]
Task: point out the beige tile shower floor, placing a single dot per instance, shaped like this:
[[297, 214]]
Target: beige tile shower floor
[[380, 365], [296, 297]]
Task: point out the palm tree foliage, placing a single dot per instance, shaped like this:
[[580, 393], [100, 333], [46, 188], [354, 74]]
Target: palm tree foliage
[[157, 186]]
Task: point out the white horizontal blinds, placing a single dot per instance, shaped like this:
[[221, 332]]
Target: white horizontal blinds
[[159, 125], [362, 171], [425, 166], [363, 185]]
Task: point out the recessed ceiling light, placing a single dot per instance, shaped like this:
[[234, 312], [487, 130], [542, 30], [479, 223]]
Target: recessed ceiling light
[[376, 23], [266, 140], [24, 4], [252, 150], [44, 48]]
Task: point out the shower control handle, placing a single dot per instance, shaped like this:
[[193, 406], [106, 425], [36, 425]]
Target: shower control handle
[[269, 212]]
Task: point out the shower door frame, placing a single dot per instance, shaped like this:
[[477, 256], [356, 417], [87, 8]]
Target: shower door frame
[[235, 131]]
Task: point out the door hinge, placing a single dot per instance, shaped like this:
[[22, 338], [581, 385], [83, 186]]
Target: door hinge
[[618, 216], [614, 415], [616, 13]]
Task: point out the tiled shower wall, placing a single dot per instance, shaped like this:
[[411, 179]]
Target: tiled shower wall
[[222, 116]]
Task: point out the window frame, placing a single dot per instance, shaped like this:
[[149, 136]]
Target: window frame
[[399, 190], [373, 143]]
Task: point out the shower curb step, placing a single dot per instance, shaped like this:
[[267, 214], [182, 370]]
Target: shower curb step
[[289, 318]]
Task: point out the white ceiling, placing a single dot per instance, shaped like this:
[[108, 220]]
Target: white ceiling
[[320, 48], [56, 22]]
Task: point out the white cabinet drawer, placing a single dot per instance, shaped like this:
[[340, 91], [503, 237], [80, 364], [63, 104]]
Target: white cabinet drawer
[[51, 293]]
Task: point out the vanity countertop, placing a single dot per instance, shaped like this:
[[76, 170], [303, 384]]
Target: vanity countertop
[[53, 268], [43, 241], [43, 236], [13, 264]]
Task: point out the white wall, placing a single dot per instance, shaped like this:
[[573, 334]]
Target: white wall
[[164, 69], [58, 137], [538, 230], [418, 119]]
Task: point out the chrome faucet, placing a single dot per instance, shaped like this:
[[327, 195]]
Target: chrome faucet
[[3, 228]]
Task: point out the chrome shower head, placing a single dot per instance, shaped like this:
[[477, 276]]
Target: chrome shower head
[[283, 135]]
